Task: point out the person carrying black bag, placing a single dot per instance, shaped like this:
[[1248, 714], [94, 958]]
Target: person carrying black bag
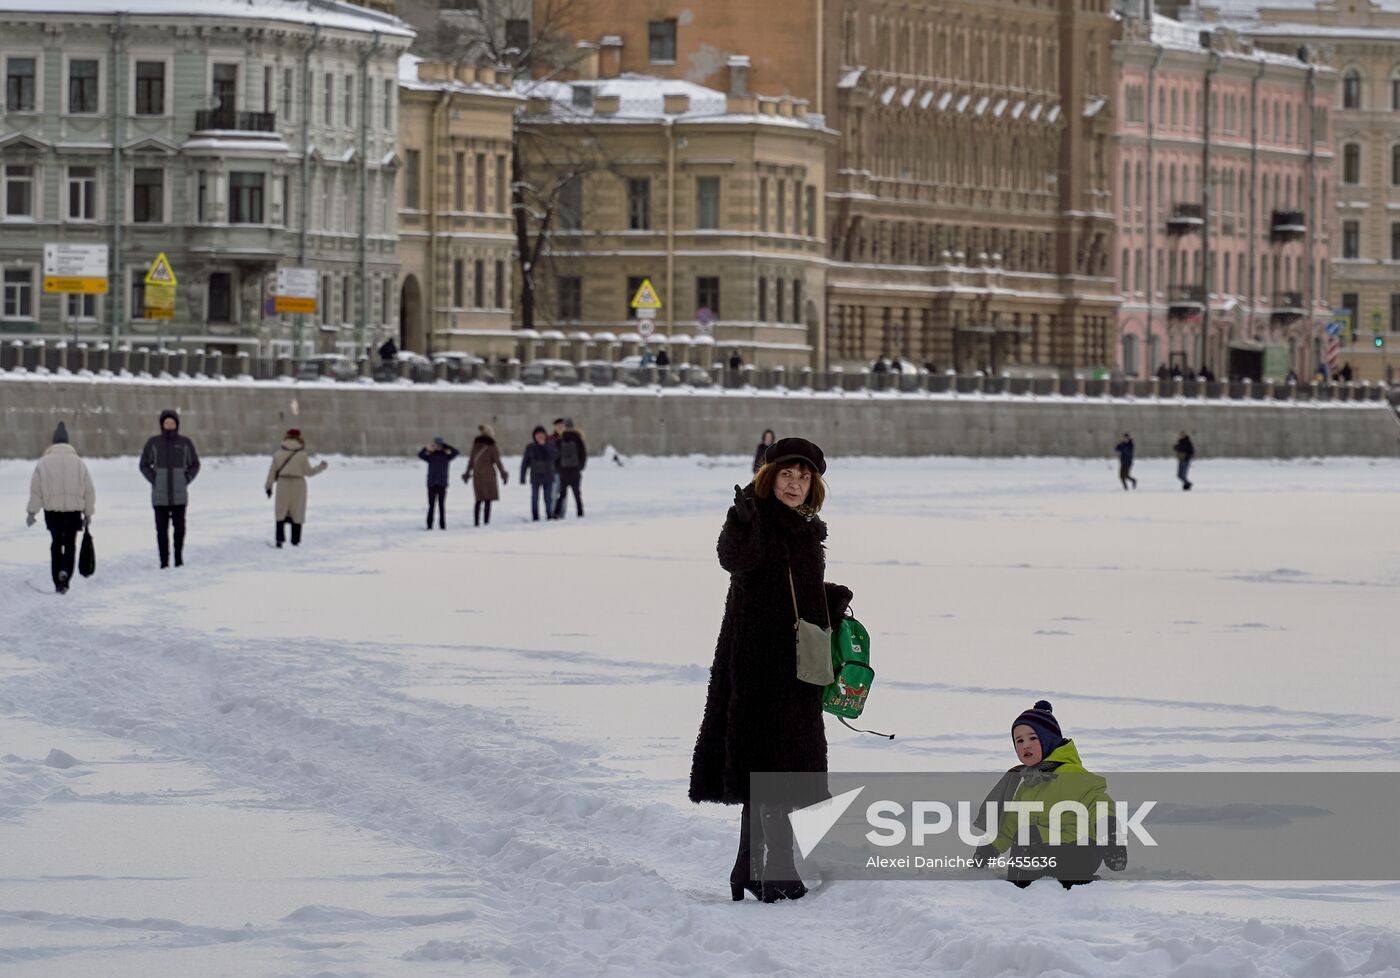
[[62, 487]]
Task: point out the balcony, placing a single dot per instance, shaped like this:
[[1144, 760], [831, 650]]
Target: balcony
[[227, 120], [1186, 301], [1287, 307], [1287, 226], [1186, 219]]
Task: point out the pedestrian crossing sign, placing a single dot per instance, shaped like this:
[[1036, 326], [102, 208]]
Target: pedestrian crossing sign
[[161, 273], [646, 297]]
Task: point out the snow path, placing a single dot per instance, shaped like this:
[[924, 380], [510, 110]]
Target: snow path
[[505, 788]]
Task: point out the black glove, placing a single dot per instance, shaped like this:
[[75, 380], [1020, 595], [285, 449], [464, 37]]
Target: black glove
[[744, 509], [1115, 858], [982, 853], [838, 599], [505, 478], [269, 494]]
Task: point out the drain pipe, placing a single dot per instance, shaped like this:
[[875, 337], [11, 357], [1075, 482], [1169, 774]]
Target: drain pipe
[[1310, 282], [118, 198], [1151, 212], [1253, 190], [1207, 192], [363, 332], [298, 327]]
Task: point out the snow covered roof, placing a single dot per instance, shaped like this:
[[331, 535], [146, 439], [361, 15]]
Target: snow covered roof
[[409, 78], [642, 98], [325, 13], [1178, 36]]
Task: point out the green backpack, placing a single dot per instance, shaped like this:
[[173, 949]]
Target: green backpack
[[850, 663]]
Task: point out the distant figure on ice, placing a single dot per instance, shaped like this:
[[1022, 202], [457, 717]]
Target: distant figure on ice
[[762, 450], [538, 465], [439, 456], [758, 715], [62, 487], [1125, 461], [1185, 452], [170, 463], [554, 440], [1049, 771], [573, 459], [288, 472], [482, 466]]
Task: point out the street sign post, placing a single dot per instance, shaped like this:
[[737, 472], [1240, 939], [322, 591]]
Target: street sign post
[[646, 297], [75, 269], [297, 291], [160, 289]]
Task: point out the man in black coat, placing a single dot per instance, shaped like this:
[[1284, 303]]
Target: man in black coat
[[573, 459], [1185, 452], [539, 470], [439, 456], [170, 463], [758, 715]]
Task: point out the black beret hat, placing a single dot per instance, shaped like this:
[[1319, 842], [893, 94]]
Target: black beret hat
[[787, 449]]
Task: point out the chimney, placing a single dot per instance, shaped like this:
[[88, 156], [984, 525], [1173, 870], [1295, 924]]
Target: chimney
[[434, 71], [785, 107], [768, 106], [799, 108], [539, 105], [486, 75], [738, 74], [606, 104], [505, 75], [586, 60], [611, 62], [741, 105], [675, 103]]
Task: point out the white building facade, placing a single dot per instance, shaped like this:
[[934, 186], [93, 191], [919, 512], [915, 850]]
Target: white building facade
[[234, 138]]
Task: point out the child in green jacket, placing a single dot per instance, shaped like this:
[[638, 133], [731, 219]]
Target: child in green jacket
[[1049, 771]]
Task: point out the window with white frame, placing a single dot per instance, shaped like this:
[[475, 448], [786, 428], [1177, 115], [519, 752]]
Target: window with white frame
[[80, 308], [84, 86], [17, 298], [20, 197], [82, 193], [21, 83]]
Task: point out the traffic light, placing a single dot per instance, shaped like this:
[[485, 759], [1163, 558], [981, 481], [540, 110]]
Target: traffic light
[[1379, 341]]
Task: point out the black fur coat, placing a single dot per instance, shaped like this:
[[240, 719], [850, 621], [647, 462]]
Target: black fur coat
[[758, 715]]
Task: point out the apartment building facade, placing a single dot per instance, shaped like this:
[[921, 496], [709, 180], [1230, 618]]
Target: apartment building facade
[[233, 138]]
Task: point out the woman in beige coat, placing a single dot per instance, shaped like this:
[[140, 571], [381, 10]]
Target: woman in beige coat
[[482, 465], [288, 473]]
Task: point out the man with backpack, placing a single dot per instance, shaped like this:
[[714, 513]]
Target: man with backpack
[[573, 458]]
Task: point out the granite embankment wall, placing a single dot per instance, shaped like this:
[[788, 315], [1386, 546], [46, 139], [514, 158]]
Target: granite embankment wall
[[109, 417]]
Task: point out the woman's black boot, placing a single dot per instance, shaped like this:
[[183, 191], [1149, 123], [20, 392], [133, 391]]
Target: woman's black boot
[[780, 879], [741, 877]]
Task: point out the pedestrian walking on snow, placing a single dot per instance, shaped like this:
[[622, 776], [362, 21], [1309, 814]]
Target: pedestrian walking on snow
[[439, 456], [762, 450], [1125, 461], [1185, 452], [170, 463], [573, 459], [290, 469], [538, 470], [758, 715], [482, 466], [62, 488]]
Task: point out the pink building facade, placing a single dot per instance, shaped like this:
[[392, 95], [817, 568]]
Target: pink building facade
[[1226, 273]]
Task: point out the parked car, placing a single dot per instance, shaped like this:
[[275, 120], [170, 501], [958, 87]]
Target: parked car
[[336, 366], [560, 372], [462, 366]]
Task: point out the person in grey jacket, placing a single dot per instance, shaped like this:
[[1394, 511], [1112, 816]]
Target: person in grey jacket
[[62, 488], [170, 463]]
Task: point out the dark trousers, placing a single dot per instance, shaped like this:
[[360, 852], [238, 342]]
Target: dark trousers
[[296, 532], [767, 855], [63, 546], [1073, 864], [538, 491], [1125, 474], [165, 516], [480, 504], [437, 496], [568, 479], [1183, 469]]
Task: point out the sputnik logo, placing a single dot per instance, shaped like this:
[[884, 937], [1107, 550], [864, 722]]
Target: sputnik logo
[[811, 824]]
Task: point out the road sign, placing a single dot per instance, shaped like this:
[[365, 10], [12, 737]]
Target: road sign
[[646, 297], [75, 269], [705, 316], [161, 273], [1335, 327], [297, 290], [646, 327], [646, 313]]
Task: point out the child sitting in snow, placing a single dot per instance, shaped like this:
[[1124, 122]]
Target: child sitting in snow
[[1049, 771]]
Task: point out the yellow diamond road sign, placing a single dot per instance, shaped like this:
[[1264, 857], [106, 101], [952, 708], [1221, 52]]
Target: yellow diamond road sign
[[646, 297], [161, 273]]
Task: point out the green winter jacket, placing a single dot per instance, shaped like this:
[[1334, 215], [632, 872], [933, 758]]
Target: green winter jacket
[[1059, 777]]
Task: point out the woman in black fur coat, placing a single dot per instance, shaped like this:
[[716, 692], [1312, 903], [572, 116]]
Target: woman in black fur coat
[[758, 715]]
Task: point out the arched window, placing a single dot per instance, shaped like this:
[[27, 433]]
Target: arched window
[[1351, 89]]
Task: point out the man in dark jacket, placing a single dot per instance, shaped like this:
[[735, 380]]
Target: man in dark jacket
[[1185, 452], [439, 456], [573, 459], [1125, 461], [537, 470], [170, 463]]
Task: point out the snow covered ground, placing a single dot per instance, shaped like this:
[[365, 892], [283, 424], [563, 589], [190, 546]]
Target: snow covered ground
[[394, 753]]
